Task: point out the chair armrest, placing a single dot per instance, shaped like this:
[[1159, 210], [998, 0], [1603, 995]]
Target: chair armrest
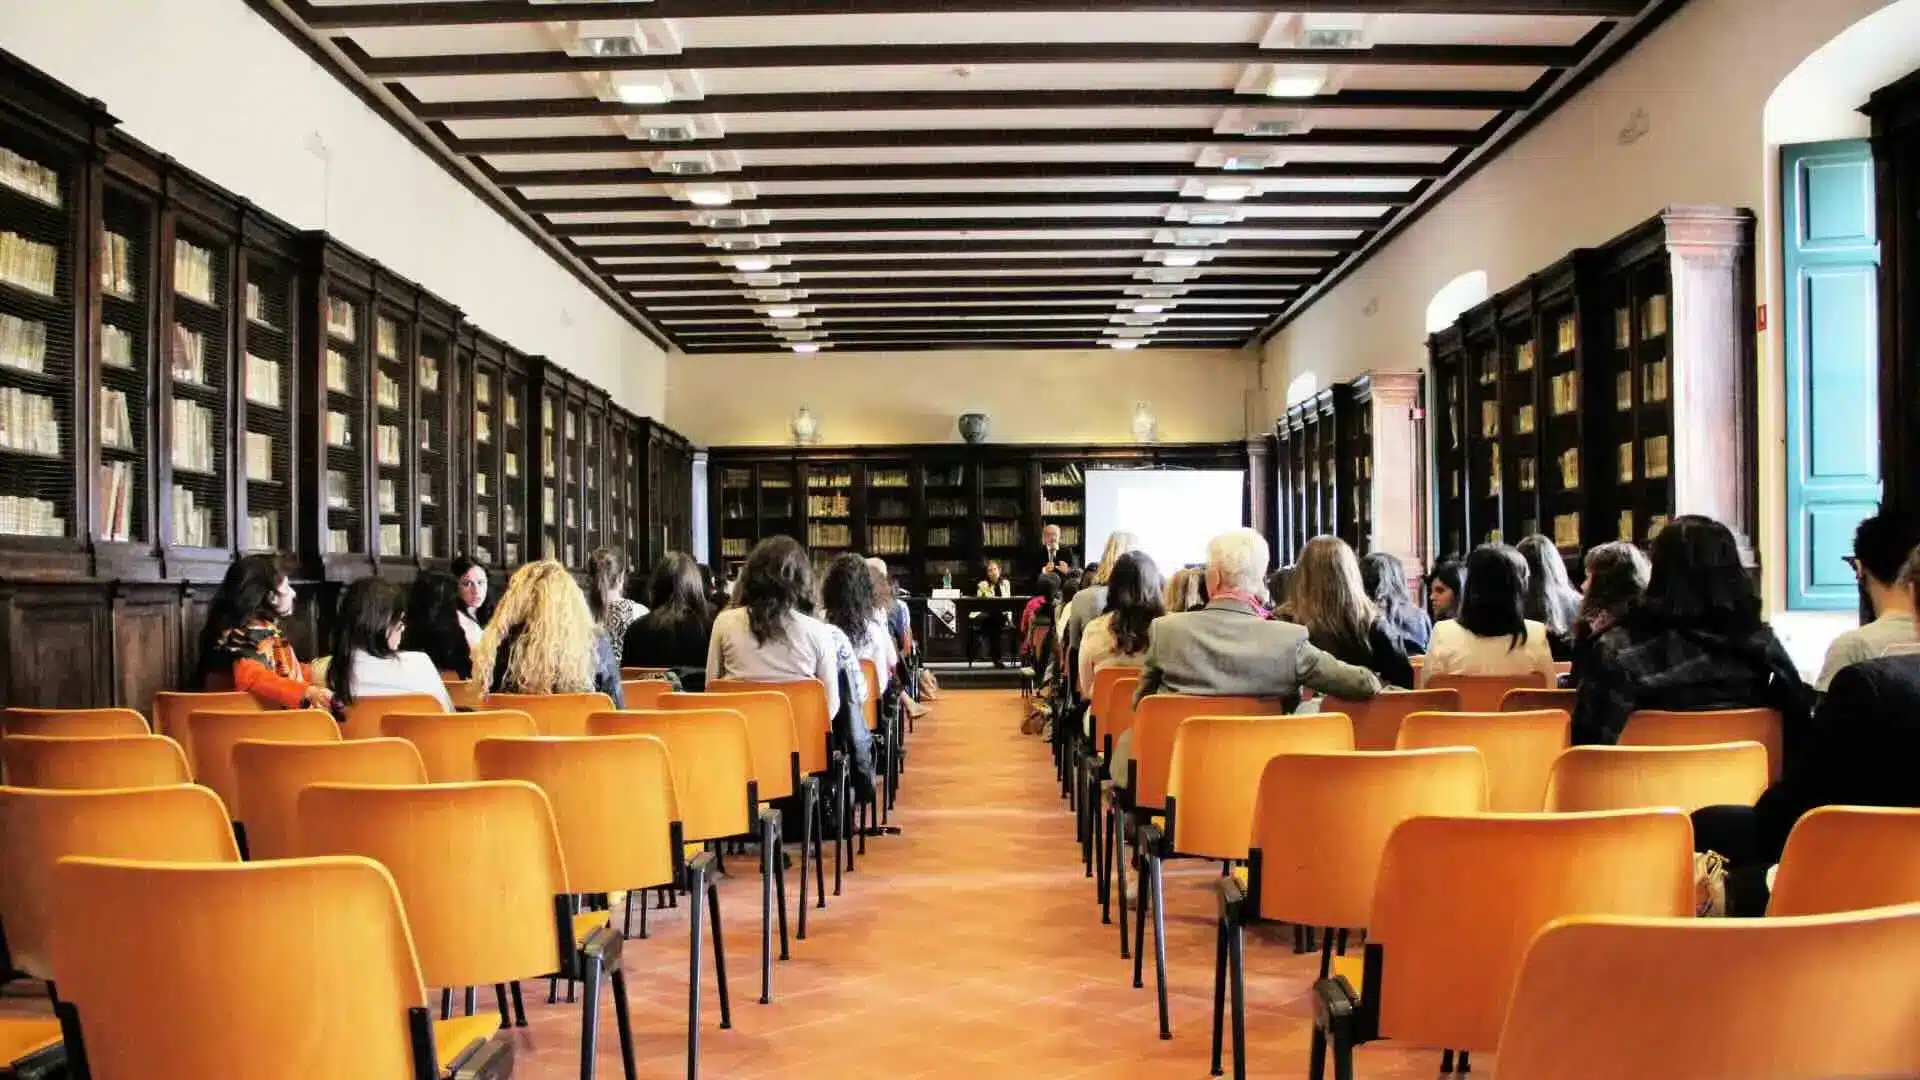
[[489, 1060]]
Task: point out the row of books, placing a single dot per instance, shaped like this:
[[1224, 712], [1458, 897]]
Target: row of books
[[189, 355], [263, 381], [386, 390], [835, 536], [192, 524], [340, 319], [257, 305], [390, 540], [193, 272], [339, 372], [117, 266], [386, 338], [733, 547], [28, 177], [259, 456], [116, 497], [1059, 507], [947, 508], [830, 480], [1001, 476], [27, 423], [116, 421], [880, 478], [388, 495], [1001, 533], [28, 265], [116, 347], [339, 541], [339, 490], [23, 344], [1065, 476], [828, 506], [429, 374], [387, 445], [192, 436], [263, 531], [1000, 508], [889, 508], [888, 540], [339, 430]]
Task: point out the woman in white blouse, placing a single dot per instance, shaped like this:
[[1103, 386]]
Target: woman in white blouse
[[1118, 636], [1488, 634]]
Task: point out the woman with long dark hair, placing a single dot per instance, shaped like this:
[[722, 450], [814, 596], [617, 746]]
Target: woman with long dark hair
[[241, 646], [1327, 597], [673, 633], [474, 608], [847, 605], [607, 597], [1616, 578], [1696, 641], [367, 661], [1445, 583], [1490, 634], [1551, 600], [434, 606], [1117, 637], [1385, 579]]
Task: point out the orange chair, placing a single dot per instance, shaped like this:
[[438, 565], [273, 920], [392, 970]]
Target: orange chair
[[618, 818], [644, 693], [712, 757], [446, 740], [1089, 766], [210, 738], [889, 765], [1531, 700], [1653, 727], [1601, 998], [554, 714], [819, 758], [462, 693], [173, 706], [290, 968], [1320, 825], [1104, 789], [657, 674], [38, 828], [1519, 749], [1213, 776], [1631, 777], [1458, 900], [364, 716], [1376, 722], [72, 723], [270, 776], [776, 768], [1845, 858], [1483, 693], [118, 761]]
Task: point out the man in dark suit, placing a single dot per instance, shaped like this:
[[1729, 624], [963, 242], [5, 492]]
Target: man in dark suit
[[1052, 556]]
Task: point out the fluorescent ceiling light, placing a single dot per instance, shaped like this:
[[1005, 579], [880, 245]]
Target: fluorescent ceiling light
[[709, 196], [1181, 258], [1226, 192], [1296, 82], [643, 93], [1149, 309], [783, 313], [753, 264], [1124, 343], [805, 347]]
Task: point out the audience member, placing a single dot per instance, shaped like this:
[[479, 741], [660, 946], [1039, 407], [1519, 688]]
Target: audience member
[[607, 597], [1490, 634], [991, 624], [896, 621], [1695, 641], [1616, 578], [1881, 545], [1444, 585], [1091, 600], [848, 604], [367, 661], [474, 609], [1551, 599], [241, 646], [1046, 597], [543, 639], [1385, 579], [717, 593], [1117, 637], [434, 607], [1328, 598], [673, 633], [1186, 590], [1279, 589]]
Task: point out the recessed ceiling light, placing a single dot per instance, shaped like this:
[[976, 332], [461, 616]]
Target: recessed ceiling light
[[1181, 258], [1296, 82], [783, 313], [1149, 309], [1125, 343], [709, 196], [753, 264], [643, 93], [1226, 192], [804, 347]]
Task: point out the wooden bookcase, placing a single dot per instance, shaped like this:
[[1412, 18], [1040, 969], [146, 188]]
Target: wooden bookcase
[[1605, 394], [1351, 462], [1895, 112]]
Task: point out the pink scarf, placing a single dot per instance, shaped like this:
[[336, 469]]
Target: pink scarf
[[1239, 596]]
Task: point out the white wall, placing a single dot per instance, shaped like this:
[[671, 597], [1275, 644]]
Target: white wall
[[912, 397], [221, 90]]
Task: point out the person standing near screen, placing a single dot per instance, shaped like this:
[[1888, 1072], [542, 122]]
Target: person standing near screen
[[1053, 556]]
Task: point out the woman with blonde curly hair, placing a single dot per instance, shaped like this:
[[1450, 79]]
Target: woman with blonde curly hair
[[543, 639]]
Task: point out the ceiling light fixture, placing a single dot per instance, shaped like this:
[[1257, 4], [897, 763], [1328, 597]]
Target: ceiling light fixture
[[643, 93], [1124, 343], [753, 265], [1181, 258], [709, 196], [805, 347], [787, 312], [1226, 192], [1149, 309], [1296, 82]]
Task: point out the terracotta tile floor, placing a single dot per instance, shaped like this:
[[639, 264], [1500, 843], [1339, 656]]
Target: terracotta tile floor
[[969, 947]]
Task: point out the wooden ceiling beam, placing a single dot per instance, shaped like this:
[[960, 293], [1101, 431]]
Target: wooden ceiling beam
[[968, 172], [949, 137], [985, 200], [940, 100], [480, 12], [1245, 230]]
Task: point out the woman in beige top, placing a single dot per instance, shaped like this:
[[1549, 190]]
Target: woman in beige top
[[1118, 637], [1489, 635]]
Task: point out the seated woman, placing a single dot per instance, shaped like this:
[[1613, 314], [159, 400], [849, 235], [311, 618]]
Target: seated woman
[[607, 598], [1445, 583], [1551, 599], [241, 646], [434, 610], [543, 640], [367, 661], [673, 633], [1385, 580], [848, 605], [1186, 590], [1695, 641], [474, 610], [1490, 635], [1616, 578], [1326, 596], [1118, 636], [991, 625], [771, 635]]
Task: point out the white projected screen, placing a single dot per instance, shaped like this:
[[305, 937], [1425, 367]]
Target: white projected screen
[[1173, 513]]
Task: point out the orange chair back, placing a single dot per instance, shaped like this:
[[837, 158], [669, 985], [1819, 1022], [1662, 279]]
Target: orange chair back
[[176, 970], [554, 714], [1121, 711], [364, 716], [172, 707], [1630, 777], [38, 828], [271, 775], [1533, 700], [870, 672], [1154, 724], [644, 693], [1214, 774], [478, 867], [115, 761], [1844, 858], [712, 760], [462, 693], [613, 804], [446, 740], [211, 737], [634, 674], [1376, 722], [72, 723], [1483, 693], [811, 724], [1706, 999], [1653, 727], [1519, 749], [1321, 821], [1099, 696], [770, 737], [1459, 898]]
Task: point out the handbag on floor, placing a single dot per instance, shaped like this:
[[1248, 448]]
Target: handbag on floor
[[1709, 884]]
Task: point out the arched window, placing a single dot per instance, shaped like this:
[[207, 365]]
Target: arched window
[[1455, 297], [1302, 387]]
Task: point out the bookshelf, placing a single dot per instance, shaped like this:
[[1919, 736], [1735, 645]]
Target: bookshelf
[[618, 458], [124, 351], [1351, 462], [888, 511], [1568, 381], [1063, 502], [435, 431], [573, 462], [549, 410], [594, 483], [268, 331], [664, 489], [830, 498], [1895, 112], [199, 235], [395, 348], [337, 293], [950, 547]]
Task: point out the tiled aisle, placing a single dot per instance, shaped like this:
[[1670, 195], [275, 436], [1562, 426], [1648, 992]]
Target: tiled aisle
[[969, 947]]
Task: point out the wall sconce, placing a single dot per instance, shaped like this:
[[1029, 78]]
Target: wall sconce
[[806, 430], [1145, 427]]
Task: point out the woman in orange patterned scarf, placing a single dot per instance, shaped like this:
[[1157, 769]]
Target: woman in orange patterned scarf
[[241, 645]]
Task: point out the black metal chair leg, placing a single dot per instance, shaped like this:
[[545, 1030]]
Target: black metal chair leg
[[446, 1003], [819, 849], [623, 1022], [1237, 983], [519, 1005], [806, 843], [500, 996], [719, 955], [1446, 1061], [626, 922], [696, 883], [780, 886], [1120, 882], [767, 856], [1465, 1065], [590, 1016], [1160, 945], [473, 999], [1219, 992], [839, 822], [1108, 857], [1141, 894]]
